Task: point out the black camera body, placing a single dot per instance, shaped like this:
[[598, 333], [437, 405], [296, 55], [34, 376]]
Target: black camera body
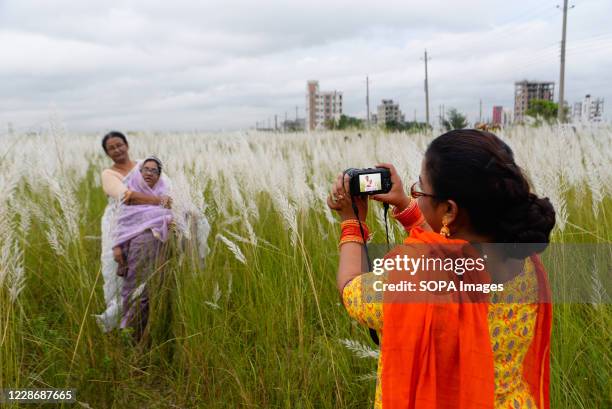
[[370, 181]]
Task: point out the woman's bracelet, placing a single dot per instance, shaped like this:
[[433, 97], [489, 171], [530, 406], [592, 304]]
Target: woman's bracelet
[[351, 232], [409, 217]]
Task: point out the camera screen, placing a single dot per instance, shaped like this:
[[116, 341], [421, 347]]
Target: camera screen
[[369, 182]]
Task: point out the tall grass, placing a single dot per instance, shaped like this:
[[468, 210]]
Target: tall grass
[[261, 323]]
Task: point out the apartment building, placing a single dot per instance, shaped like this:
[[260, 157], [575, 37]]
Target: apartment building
[[388, 111], [321, 106]]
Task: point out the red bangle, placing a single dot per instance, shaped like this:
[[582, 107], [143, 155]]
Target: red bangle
[[409, 217], [352, 233]]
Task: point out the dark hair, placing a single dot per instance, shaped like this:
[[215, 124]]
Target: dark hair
[[154, 159], [476, 169], [113, 134]]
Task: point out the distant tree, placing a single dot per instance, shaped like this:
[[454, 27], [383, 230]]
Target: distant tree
[[414, 126], [410, 126], [331, 124], [345, 122], [456, 120], [349, 122], [293, 126], [543, 109], [394, 126]]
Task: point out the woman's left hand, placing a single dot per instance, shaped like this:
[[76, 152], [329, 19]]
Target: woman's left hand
[[118, 255], [165, 202], [340, 200]]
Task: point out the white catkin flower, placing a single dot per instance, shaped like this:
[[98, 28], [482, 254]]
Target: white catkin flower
[[597, 190], [216, 293], [250, 232], [216, 296], [6, 256], [12, 271], [360, 350], [372, 376], [17, 282], [233, 247], [238, 238], [25, 220], [203, 229], [229, 284], [55, 242], [598, 291], [380, 218], [289, 213], [212, 305]]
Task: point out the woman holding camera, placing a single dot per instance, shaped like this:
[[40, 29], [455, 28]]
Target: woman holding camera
[[493, 353]]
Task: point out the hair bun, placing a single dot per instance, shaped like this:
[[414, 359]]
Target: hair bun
[[532, 227]]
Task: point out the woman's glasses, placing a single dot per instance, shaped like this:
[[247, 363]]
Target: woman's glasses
[[417, 193], [150, 171]]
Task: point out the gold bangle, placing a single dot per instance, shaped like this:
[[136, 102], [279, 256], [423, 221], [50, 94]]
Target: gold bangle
[[351, 239], [354, 222]]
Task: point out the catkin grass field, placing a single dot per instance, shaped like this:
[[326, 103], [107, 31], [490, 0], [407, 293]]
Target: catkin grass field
[[260, 323]]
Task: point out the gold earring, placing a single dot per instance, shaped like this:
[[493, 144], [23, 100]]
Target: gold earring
[[445, 231]]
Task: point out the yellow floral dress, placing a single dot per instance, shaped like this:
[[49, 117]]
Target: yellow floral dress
[[512, 316]]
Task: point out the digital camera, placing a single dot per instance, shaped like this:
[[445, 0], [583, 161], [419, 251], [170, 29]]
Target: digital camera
[[370, 181]]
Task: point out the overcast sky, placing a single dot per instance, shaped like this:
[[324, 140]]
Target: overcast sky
[[212, 65]]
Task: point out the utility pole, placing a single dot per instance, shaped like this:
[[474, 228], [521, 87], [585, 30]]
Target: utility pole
[[275, 122], [561, 110], [368, 100], [480, 112], [296, 114], [425, 58]]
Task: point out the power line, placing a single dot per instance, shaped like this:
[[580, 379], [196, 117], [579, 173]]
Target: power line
[[550, 52], [510, 31], [528, 13]]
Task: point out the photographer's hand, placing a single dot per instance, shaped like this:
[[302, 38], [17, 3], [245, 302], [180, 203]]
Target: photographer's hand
[[340, 200], [396, 196]]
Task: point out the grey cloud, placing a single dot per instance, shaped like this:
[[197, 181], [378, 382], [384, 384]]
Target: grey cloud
[[213, 65]]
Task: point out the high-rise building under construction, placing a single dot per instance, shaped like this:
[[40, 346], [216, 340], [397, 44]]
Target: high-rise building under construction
[[525, 91]]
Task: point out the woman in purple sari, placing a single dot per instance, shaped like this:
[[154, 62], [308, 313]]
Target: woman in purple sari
[[137, 247]]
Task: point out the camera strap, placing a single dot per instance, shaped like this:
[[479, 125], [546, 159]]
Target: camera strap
[[385, 212], [373, 333], [365, 239]]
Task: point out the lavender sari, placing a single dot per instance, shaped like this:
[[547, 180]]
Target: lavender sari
[[141, 231]]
